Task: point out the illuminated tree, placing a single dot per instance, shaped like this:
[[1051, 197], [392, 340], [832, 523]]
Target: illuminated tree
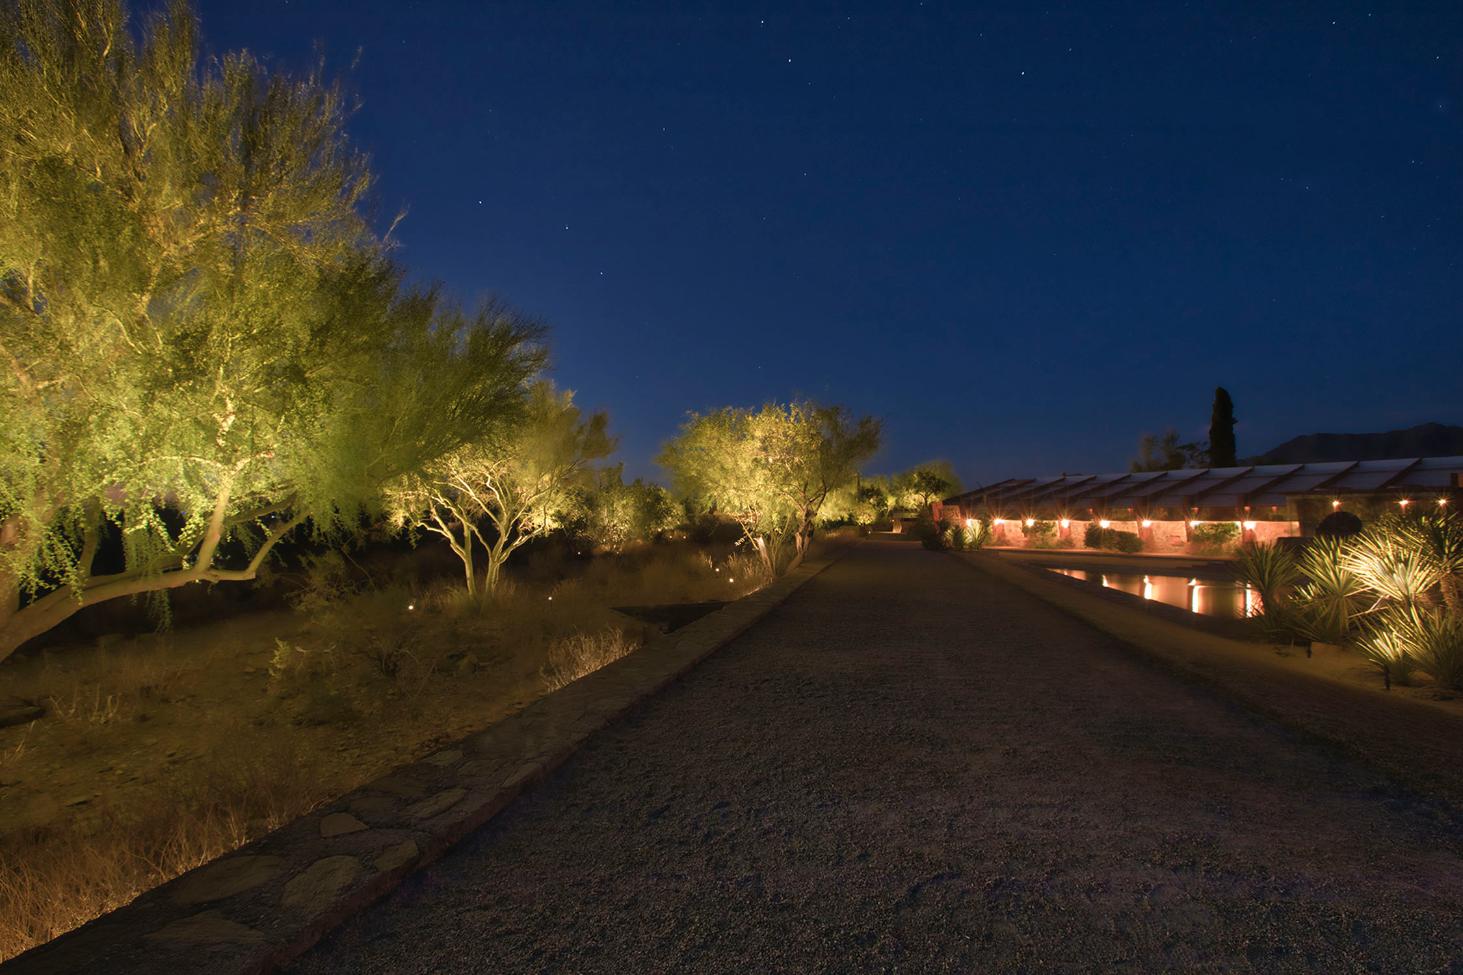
[[515, 482], [1165, 453], [770, 470], [921, 486], [616, 513], [201, 345]]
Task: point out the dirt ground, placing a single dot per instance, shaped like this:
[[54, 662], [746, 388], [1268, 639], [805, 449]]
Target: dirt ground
[[161, 751]]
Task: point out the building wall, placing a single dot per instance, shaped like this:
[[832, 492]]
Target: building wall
[[1163, 537]]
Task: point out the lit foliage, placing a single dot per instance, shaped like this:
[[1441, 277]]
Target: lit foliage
[[920, 486], [201, 344], [616, 513], [770, 470], [512, 483], [1391, 592]]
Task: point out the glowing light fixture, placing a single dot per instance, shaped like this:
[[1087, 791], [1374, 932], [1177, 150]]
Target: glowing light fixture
[[1442, 502], [1335, 503], [1030, 522], [1403, 502], [1249, 526], [411, 606], [998, 521], [1147, 523], [1194, 523], [1104, 523], [1066, 523]]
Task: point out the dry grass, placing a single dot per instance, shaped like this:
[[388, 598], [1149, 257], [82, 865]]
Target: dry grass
[[203, 739], [56, 879], [581, 654]]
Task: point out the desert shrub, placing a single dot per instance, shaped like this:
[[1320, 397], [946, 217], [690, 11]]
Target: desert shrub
[[1040, 534], [1268, 569], [1339, 524], [930, 535], [581, 654], [1111, 538], [1214, 536]]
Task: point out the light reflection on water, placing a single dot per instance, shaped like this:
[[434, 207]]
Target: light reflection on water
[[1208, 597]]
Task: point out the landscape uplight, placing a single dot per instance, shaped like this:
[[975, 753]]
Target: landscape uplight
[[1194, 523], [1030, 522], [1103, 523], [1249, 526], [1147, 523], [1335, 503], [1403, 503], [1066, 523]]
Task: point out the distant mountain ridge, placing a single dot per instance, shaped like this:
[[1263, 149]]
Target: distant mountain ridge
[[1423, 440]]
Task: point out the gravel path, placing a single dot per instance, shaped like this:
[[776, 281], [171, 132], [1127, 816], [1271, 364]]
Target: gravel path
[[912, 767]]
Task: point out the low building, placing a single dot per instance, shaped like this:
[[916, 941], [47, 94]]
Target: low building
[[1177, 511]]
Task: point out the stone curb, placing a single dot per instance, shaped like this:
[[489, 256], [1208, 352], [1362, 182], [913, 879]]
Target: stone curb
[[264, 905]]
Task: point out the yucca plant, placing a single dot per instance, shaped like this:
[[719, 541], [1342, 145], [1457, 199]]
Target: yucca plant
[[1389, 561], [1272, 572], [1385, 640], [1436, 639], [1440, 537], [1332, 595]]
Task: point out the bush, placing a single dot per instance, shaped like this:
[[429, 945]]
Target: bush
[[1110, 538], [582, 654], [1040, 534], [1214, 536]]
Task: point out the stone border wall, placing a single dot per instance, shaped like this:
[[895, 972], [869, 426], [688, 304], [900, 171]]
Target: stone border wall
[[258, 908]]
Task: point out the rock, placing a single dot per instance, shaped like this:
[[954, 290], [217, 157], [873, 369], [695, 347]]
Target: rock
[[396, 856], [376, 809], [19, 712], [225, 878], [446, 757], [340, 823], [315, 890], [434, 805], [208, 928]]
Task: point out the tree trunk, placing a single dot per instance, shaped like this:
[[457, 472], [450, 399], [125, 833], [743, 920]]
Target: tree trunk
[[496, 557], [465, 554]]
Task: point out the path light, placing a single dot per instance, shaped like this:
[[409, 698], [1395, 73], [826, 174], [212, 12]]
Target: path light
[[1442, 502], [411, 606]]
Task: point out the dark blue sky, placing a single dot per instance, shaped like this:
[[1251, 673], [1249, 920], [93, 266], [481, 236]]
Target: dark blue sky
[[1021, 234]]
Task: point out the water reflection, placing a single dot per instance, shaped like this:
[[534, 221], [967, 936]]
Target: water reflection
[[1208, 597]]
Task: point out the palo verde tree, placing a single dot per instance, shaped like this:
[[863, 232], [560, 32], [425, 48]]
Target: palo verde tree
[[926, 483], [201, 344], [770, 469], [516, 481]]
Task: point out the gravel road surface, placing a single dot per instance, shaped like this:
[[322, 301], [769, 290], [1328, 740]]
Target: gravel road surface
[[912, 767]]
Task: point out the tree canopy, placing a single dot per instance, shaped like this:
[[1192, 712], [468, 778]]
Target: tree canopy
[[770, 469], [202, 343]]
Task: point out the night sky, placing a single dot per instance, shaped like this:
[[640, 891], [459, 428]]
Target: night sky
[[1023, 235]]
